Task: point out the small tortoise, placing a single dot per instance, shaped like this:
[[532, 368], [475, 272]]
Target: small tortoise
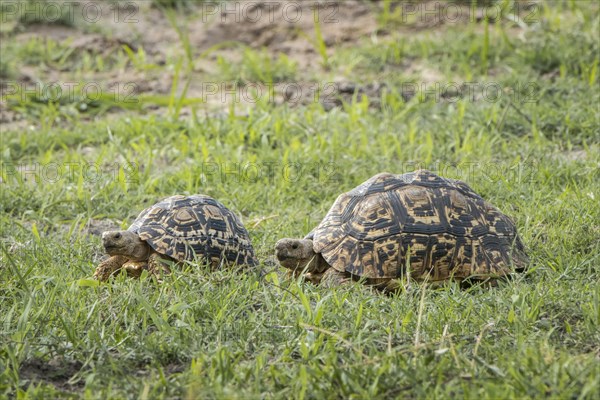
[[415, 226], [178, 229]]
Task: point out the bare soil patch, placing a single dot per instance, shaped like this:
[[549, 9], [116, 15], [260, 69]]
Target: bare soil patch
[[280, 28], [57, 372]]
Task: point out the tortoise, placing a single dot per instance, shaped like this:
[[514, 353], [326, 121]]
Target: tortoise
[[418, 226], [177, 229]]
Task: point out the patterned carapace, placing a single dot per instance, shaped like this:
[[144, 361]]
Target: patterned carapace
[[195, 227], [435, 227]]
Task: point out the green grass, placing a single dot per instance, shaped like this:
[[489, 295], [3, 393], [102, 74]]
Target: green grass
[[258, 334], [257, 66]]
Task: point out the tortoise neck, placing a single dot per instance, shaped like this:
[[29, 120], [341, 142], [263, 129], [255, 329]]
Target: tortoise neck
[[142, 251], [318, 264]]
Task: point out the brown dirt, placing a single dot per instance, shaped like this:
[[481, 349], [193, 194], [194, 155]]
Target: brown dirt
[[288, 27], [59, 373], [56, 372], [95, 227], [284, 27]]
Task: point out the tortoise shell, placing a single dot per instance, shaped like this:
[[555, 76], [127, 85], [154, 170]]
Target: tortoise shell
[[435, 227], [186, 228]]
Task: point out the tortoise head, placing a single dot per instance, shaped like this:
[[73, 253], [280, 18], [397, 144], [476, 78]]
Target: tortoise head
[[298, 254], [125, 243]]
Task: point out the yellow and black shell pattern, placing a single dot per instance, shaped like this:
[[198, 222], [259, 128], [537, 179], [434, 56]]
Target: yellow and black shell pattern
[[434, 227], [195, 228]]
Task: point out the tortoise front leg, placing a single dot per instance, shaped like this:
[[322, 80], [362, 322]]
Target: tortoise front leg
[[108, 267], [333, 277], [157, 266], [135, 268], [389, 285]]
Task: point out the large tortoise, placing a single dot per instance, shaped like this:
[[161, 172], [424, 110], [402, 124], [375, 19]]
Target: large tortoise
[[177, 229], [415, 226]]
